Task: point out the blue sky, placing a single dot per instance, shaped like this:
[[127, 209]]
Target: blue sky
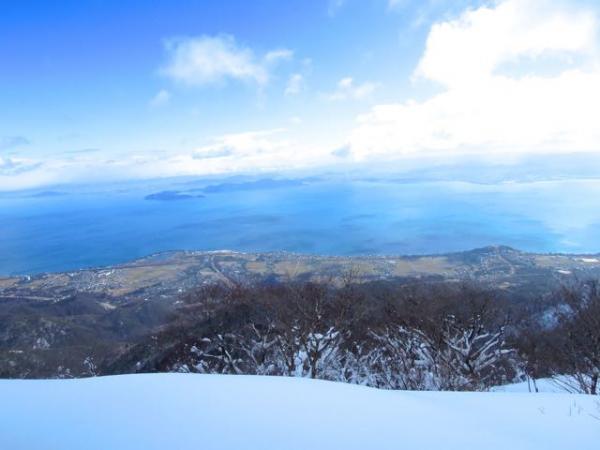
[[90, 68], [101, 90]]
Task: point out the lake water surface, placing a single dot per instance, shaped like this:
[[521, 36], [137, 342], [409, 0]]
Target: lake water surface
[[53, 232]]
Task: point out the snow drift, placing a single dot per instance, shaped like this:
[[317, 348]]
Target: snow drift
[[179, 411]]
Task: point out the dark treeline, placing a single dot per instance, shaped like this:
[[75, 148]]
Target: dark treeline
[[442, 336]]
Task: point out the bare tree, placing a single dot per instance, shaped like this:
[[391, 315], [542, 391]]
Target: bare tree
[[577, 339]]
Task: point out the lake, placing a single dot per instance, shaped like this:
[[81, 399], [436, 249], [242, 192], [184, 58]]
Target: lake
[[57, 231]]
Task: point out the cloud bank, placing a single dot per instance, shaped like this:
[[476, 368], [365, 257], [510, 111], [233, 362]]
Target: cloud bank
[[518, 77]]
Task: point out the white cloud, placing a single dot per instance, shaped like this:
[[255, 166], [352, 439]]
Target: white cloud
[[295, 84], [241, 144], [282, 54], [395, 3], [10, 142], [248, 152], [348, 90], [269, 150], [6, 164], [16, 166], [334, 6], [161, 98], [19, 173], [207, 60], [517, 77], [521, 76], [252, 152], [471, 48]]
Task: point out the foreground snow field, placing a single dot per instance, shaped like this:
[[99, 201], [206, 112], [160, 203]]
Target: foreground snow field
[[177, 411]]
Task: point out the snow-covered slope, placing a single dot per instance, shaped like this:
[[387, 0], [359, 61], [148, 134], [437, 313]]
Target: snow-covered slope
[[544, 385], [171, 411]]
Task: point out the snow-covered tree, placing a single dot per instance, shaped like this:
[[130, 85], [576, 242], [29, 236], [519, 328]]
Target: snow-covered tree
[[403, 358], [473, 357]]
